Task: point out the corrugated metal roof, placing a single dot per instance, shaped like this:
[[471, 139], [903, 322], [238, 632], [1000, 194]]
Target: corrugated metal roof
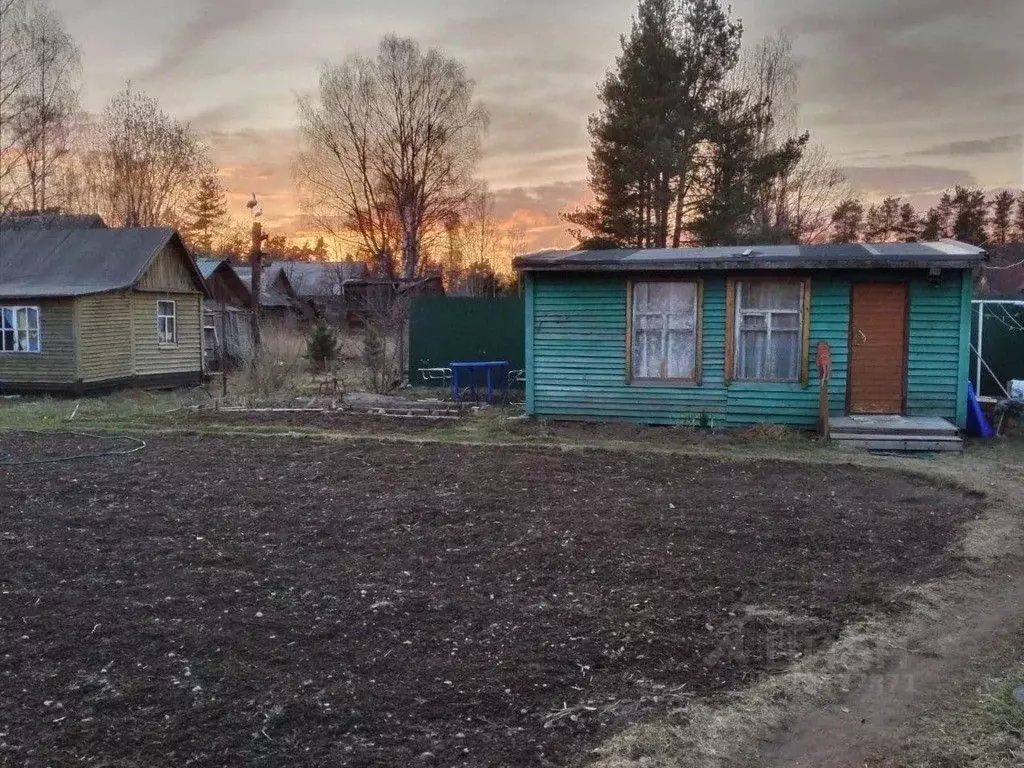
[[39, 263], [945, 253]]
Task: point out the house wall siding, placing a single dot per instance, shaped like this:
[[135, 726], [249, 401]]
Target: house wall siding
[[933, 384], [56, 363], [104, 336], [151, 357], [168, 272], [576, 346]]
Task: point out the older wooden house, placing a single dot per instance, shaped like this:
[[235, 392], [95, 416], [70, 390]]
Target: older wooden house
[[83, 310], [729, 336], [227, 332]]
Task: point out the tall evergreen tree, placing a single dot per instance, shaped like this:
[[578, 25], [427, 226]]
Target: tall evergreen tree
[[970, 215], [1000, 223], [847, 221], [931, 225], [654, 117], [1019, 218], [883, 220], [938, 222], [739, 170], [909, 226], [205, 215]]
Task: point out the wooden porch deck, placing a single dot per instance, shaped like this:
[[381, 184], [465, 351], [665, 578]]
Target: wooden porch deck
[[895, 433]]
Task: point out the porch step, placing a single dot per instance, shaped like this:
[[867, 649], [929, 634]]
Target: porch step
[[895, 433]]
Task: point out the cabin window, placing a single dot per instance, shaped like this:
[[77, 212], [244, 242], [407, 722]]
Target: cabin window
[[664, 330], [769, 330], [166, 326], [19, 329]]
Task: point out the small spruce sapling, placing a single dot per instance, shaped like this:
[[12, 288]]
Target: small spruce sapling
[[322, 347]]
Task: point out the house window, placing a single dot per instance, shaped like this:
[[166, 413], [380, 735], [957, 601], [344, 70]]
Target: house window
[[166, 327], [19, 329], [769, 330], [664, 330]]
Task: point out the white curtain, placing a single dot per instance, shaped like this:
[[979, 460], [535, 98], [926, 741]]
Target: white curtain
[[664, 330], [769, 317]]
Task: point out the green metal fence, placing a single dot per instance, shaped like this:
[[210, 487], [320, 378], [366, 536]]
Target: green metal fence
[[445, 329], [998, 333]]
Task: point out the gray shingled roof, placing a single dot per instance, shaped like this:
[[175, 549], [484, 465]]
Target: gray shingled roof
[[269, 296], [208, 266], [316, 279], [53, 221], [945, 253], [53, 263]]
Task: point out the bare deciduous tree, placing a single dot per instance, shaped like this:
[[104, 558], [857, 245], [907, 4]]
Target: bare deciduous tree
[[147, 162], [389, 148], [798, 204], [480, 248], [39, 78]]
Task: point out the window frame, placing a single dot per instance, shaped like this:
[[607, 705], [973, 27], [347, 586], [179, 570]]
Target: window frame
[[15, 309], [732, 330], [698, 329], [174, 319]]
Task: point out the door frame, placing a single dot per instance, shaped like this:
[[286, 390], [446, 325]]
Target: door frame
[[906, 342]]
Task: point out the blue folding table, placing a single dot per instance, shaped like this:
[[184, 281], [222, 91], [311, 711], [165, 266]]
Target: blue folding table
[[466, 375]]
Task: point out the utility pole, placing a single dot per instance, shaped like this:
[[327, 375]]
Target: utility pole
[[256, 264]]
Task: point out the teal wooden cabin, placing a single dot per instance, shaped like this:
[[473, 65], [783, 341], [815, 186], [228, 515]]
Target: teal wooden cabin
[[729, 336]]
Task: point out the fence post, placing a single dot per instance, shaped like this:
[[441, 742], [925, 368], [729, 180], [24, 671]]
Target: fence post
[[981, 334]]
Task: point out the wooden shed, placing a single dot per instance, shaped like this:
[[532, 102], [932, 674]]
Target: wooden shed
[[227, 331], [83, 310], [727, 336]]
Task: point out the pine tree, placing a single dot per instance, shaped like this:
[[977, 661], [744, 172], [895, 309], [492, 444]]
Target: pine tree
[[847, 221], [1001, 225], [931, 227], [970, 215], [322, 347], [909, 226], [938, 222], [1019, 218], [205, 215], [883, 221], [738, 172], [646, 137]]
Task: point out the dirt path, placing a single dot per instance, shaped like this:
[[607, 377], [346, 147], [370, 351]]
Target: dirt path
[[941, 667]]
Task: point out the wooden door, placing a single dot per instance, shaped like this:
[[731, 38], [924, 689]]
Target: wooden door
[[878, 348]]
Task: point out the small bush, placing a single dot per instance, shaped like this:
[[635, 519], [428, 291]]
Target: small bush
[[322, 347]]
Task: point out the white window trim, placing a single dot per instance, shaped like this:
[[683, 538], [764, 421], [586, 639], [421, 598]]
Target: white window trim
[[14, 309], [173, 316], [768, 315], [694, 376]]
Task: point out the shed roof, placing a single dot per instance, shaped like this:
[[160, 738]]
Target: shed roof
[[313, 279], [208, 266], [945, 253], [57, 263], [269, 296], [53, 221]]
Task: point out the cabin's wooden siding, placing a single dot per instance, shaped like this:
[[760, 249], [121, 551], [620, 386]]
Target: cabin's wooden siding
[[104, 336], [576, 355], [934, 384], [151, 357], [168, 273], [55, 364]]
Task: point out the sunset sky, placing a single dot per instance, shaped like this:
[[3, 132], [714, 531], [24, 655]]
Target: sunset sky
[[910, 96]]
